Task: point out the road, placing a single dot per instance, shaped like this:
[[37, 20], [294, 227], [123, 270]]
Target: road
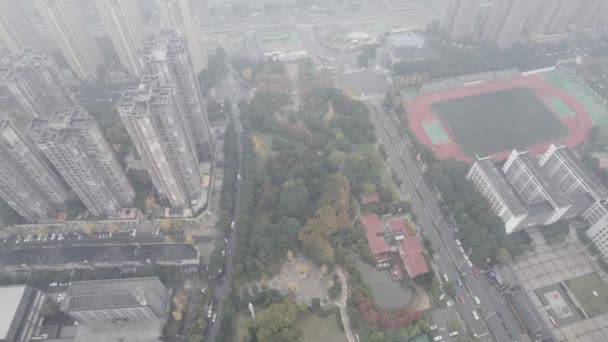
[[449, 259], [223, 287]]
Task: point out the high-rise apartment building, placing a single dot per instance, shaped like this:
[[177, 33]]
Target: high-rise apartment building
[[557, 16], [168, 57], [16, 32], [505, 24], [36, 82], [74, 144], [26, 182], [65, 21], [459, 18], [177, 16], [154, 118], [125, 25]]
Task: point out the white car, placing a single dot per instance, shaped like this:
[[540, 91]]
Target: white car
[[470, 263], [433, 327], [461, 250], [458, 242], [438, 338], [477, 301], [475, 315], [445, 277], [214, 317], [453, 333]]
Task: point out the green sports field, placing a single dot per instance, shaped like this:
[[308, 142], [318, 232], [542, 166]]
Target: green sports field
[[499, 121]]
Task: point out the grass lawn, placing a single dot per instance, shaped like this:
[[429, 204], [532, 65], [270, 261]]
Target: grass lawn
[[499, 121], [316, 329], [583, 287]]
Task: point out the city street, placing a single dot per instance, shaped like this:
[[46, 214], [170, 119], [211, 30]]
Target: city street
[[449, 262]]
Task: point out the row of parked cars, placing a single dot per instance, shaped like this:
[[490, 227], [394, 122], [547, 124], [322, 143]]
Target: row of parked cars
[[70, 236]]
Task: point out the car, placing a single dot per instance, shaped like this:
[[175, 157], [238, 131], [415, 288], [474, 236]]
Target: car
[[477, 301], [449, 303], [461, 250], [453, 333], [475, 315], [466, 257], [469, 263], [438, 338], [459, 282], [28, 238], [53, 236], [60, 237], [445, 277], [134, 232], [433, 327], [214, 317], [232, 224], [458, 242], [53, 285], [461, 300]]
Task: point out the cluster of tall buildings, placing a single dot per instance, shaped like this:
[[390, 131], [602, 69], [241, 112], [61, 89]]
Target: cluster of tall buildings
[[508, 21], [63, 147], [529, 191]]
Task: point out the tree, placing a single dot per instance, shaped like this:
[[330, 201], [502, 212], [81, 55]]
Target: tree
[[367, 54], [49, 308], [503, 256], [276, 323], [555, 233]]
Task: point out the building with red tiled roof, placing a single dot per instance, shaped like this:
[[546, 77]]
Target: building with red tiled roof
[[394, 246], [370, 198]]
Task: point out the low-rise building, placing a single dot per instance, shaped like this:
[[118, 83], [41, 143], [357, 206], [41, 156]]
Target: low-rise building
[[123, 300], [393, 246]]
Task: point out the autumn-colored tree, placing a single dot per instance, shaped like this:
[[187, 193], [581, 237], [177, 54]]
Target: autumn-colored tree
[[276, 323]]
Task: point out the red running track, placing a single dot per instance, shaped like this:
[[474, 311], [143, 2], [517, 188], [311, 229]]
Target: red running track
[[419, 110]]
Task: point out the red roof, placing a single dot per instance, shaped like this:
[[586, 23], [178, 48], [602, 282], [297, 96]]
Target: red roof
[[415, 264], [374, 233], [370, 198]]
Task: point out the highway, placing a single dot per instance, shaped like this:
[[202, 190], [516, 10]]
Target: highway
[[449, 260]]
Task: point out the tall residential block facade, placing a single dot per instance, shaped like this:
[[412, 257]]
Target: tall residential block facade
[[65, 20], [557, 16], [154, 118], [503, 201], [168, 57], [74, 144], [459, 18], [36, 82], [505, 24], [177, 16], [112, 300], [123, 21], [16, 32], [27, 183]]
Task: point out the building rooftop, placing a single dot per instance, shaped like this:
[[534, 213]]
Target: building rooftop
[[110, 293], [594, 186], [407, 39], [374, 233], [10, 297], [57, 127], [504, 189]]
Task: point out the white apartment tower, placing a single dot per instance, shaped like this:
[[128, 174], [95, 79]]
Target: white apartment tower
[[505, 25], [26, 182], [154, 118], [65, 21], [74, 144], [16, 32], [459, 18], [125, 25], [177, 16], [168, 58], [36, 82]]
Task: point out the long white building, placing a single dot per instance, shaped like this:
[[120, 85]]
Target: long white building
[[177, 16], [154, 118], [65, 20], [123, 21], [503, 201], [27, 183]]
